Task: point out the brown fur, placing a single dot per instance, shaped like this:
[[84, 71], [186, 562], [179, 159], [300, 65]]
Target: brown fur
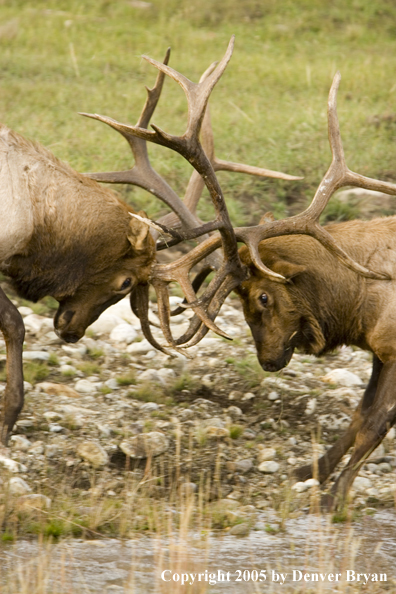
[[62, 235], [325, 305]]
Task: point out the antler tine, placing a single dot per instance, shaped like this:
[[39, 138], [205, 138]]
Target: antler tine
[[140, 306], [337, 176]]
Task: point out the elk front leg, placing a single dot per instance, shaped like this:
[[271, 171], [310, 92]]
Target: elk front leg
[[11, 325], [381, 417], [328, 462]]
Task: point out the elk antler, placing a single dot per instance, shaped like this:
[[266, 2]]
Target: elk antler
[[205, 166]]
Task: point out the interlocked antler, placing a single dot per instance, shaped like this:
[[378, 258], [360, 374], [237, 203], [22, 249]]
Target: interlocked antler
[[190, 147]]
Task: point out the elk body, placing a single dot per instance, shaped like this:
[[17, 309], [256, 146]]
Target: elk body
[[323, 305], [64, 235]]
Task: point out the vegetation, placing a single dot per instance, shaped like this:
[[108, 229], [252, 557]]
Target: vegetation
[[269, 109]]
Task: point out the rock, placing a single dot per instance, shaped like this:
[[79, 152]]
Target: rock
[[52, 416], [391, 433], [18, 486], [244, 465], [235, 395], [145, 445], [112, 384], [268, 467], [123, 310], [35, 356], [150, 375], [240, 529], [213, 422], [217, 432], [123, 333], [55, 428], [166, 373], [140, 348], [20, 443], [311, 406], [33, 322], [37, 448], [58, 389], [25, 311], [75, 352], [248, 396], [299, 487], [105, 323], [188, 488], [85, 386], [273, 396], [93, 453], [266, 454], [35, 501], [343, 377], [149, 407], [312, 482], [234, 412], [361, 484], [67, 369], [11, 465]]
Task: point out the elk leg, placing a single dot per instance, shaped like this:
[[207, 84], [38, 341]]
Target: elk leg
[[328, 462], [381, 417], [11, 325]]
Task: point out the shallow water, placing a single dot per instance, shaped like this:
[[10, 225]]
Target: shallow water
[[309, 544]]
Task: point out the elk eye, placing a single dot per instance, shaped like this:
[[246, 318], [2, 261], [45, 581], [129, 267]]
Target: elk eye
[[126, 284], [263, 299]]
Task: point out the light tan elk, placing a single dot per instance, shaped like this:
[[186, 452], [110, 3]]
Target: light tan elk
[[64, 235], [316, 289]]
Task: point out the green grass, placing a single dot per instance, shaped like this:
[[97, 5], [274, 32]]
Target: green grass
[[269, 109]]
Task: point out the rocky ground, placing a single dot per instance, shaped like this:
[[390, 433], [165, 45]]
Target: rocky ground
[[111, 407]]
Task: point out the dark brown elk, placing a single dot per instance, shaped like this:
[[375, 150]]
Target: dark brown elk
[[66, 236], [315, 289]]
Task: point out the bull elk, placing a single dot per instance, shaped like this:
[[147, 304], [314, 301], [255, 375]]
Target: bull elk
[[66, 236], [302, 286]]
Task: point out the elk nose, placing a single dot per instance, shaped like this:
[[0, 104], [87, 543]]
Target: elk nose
[[66, 317]]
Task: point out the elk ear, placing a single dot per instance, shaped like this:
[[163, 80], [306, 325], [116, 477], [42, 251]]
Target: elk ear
[[139, 234], [268, 217], [287, 269]]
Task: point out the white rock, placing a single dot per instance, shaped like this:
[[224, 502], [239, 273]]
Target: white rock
[[311, 406], [35, 356], [93, 453], [52, 416], [166, 373], [25, 311], [149, 406], [112, 384], [361, 484], [123, 333], [123, 310], [67, 369], [27, 386], [55, 428], [343, 377], [391, 433], [85, 387], [18, 486], [140, 348], [20, 442], [273, 396], [299, 487], [33, 501], [149, 375], [266, 454], [33, 322], [248, 396], [11, 465], [76, 351], [312, 482], [269, 467], [145, 445], [105, 323]]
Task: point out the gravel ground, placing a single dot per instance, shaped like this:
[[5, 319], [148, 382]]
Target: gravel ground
[[111, 403]]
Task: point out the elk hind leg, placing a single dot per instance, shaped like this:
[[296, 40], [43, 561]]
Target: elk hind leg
[[327, 463], [376, 425], [12, 327]]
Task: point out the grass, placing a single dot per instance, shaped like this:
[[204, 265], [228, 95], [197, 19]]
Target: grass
[[269, 109]]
